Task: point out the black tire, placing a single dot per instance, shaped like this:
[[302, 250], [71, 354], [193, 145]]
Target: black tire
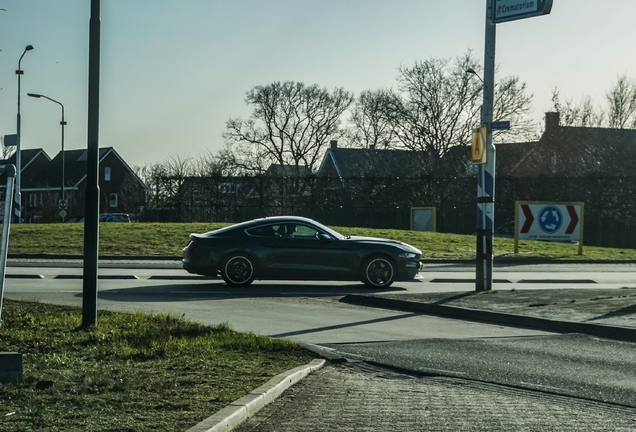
[[238, 270], [378, 272]]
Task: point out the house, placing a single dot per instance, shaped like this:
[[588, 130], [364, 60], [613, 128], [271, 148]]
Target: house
[[593, 165], [33, 161], [121, 190], [345, 164], [570, 151]]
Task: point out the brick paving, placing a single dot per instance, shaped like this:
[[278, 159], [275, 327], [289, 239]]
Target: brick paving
[[358, 397]]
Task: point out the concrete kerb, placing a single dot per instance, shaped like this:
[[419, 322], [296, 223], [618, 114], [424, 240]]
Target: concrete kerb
[[625, 334], [241, 409]]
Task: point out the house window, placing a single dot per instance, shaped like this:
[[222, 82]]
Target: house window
[[107, 174], [113, 200]]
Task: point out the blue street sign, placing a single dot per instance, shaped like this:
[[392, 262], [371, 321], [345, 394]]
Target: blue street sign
[[500, 125], [510, 10]]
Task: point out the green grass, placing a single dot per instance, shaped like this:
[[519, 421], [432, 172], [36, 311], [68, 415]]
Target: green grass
[[135, 372], [168, 239]]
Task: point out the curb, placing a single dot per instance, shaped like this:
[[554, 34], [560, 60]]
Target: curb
[[241, 409], [101, 257], [624, 334]]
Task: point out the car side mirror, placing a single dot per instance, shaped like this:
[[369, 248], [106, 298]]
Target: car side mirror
[[324, 237]]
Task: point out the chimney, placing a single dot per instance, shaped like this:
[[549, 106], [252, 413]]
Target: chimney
[[551, 121], [334, 144]]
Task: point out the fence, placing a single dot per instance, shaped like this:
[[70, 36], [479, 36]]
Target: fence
[[381, 202]]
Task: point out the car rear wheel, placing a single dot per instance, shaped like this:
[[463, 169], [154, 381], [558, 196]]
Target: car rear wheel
[[378, 272], [238, 270]]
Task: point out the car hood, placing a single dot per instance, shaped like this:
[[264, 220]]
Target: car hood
[[381, 241]]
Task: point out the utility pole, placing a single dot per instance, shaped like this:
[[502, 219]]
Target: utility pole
[[486, 172], [91, 215], [497, 11]]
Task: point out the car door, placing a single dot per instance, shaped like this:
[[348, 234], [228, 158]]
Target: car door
[[299, 252]]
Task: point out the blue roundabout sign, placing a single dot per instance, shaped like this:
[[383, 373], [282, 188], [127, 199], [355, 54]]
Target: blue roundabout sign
[[550, 219]]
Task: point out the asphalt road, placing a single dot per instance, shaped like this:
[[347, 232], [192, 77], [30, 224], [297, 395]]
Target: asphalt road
[[309, 312], [305, 312], [571, 364]]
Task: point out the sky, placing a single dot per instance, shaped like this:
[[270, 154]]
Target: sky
[[173, 72]]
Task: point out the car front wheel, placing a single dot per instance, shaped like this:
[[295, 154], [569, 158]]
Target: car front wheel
[[238, 270], [378, 272]]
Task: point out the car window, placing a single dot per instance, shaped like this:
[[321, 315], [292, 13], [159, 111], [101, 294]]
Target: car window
[[262, 231], [296, 231]]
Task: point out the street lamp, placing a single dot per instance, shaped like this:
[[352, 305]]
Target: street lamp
[[17, 210], [474, 72], [63, 123]]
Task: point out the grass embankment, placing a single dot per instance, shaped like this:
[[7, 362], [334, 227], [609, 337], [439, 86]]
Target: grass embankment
[[135, 372], [168, 239]]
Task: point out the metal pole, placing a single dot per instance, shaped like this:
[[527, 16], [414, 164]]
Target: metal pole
[[486, 172], [17, 196], [91, 215], [63, 123]]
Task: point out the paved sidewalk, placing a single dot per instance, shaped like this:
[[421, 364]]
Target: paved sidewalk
[[355, 396], [606, 313]]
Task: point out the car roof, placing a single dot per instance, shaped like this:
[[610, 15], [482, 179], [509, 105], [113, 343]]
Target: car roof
[[260, 221]]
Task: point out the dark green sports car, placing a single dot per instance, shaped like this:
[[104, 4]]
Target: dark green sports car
[[297, 248]]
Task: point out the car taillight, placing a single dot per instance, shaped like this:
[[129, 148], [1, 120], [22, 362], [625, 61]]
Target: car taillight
[[192, 245]]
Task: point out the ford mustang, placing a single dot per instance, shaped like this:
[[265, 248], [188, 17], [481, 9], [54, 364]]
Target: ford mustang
[[297, 248]]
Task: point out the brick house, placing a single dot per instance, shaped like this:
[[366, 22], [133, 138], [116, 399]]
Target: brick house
[[121, 190]]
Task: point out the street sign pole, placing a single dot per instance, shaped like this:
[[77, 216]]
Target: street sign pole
[[486, 172], [497, 11]]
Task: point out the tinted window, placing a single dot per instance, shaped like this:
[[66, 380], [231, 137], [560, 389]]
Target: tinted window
[[262, 231]]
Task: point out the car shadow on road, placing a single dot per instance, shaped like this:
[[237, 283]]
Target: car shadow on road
[[218, 290]]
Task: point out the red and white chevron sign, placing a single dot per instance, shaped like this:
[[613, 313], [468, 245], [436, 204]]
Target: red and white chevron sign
[[549, 221]]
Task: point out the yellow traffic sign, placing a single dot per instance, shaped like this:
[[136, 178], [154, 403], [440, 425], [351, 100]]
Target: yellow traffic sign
[[479, 150]]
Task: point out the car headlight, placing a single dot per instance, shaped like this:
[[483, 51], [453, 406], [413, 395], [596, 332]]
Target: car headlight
[[407, 255]]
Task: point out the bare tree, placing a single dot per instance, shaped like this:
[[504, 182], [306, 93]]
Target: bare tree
[[581, 114], [621, 101], [514, 104], [437, 106], [371, 119], [619, 113], [291, 124]]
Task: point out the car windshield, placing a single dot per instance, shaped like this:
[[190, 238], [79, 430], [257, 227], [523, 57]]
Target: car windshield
[[329, 231]]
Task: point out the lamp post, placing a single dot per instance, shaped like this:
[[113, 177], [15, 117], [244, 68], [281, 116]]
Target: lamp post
[[474, 72], [63, 123], [17, 210]]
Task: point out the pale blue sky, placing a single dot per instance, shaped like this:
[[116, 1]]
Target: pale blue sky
[[174, 71]]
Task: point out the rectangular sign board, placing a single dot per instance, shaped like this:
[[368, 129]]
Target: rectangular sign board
[[549, 221], [500, 125], [510, 10], [10, 140], [423, 219]]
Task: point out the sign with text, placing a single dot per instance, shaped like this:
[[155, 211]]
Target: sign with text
[[510, 10], [549, 221]]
